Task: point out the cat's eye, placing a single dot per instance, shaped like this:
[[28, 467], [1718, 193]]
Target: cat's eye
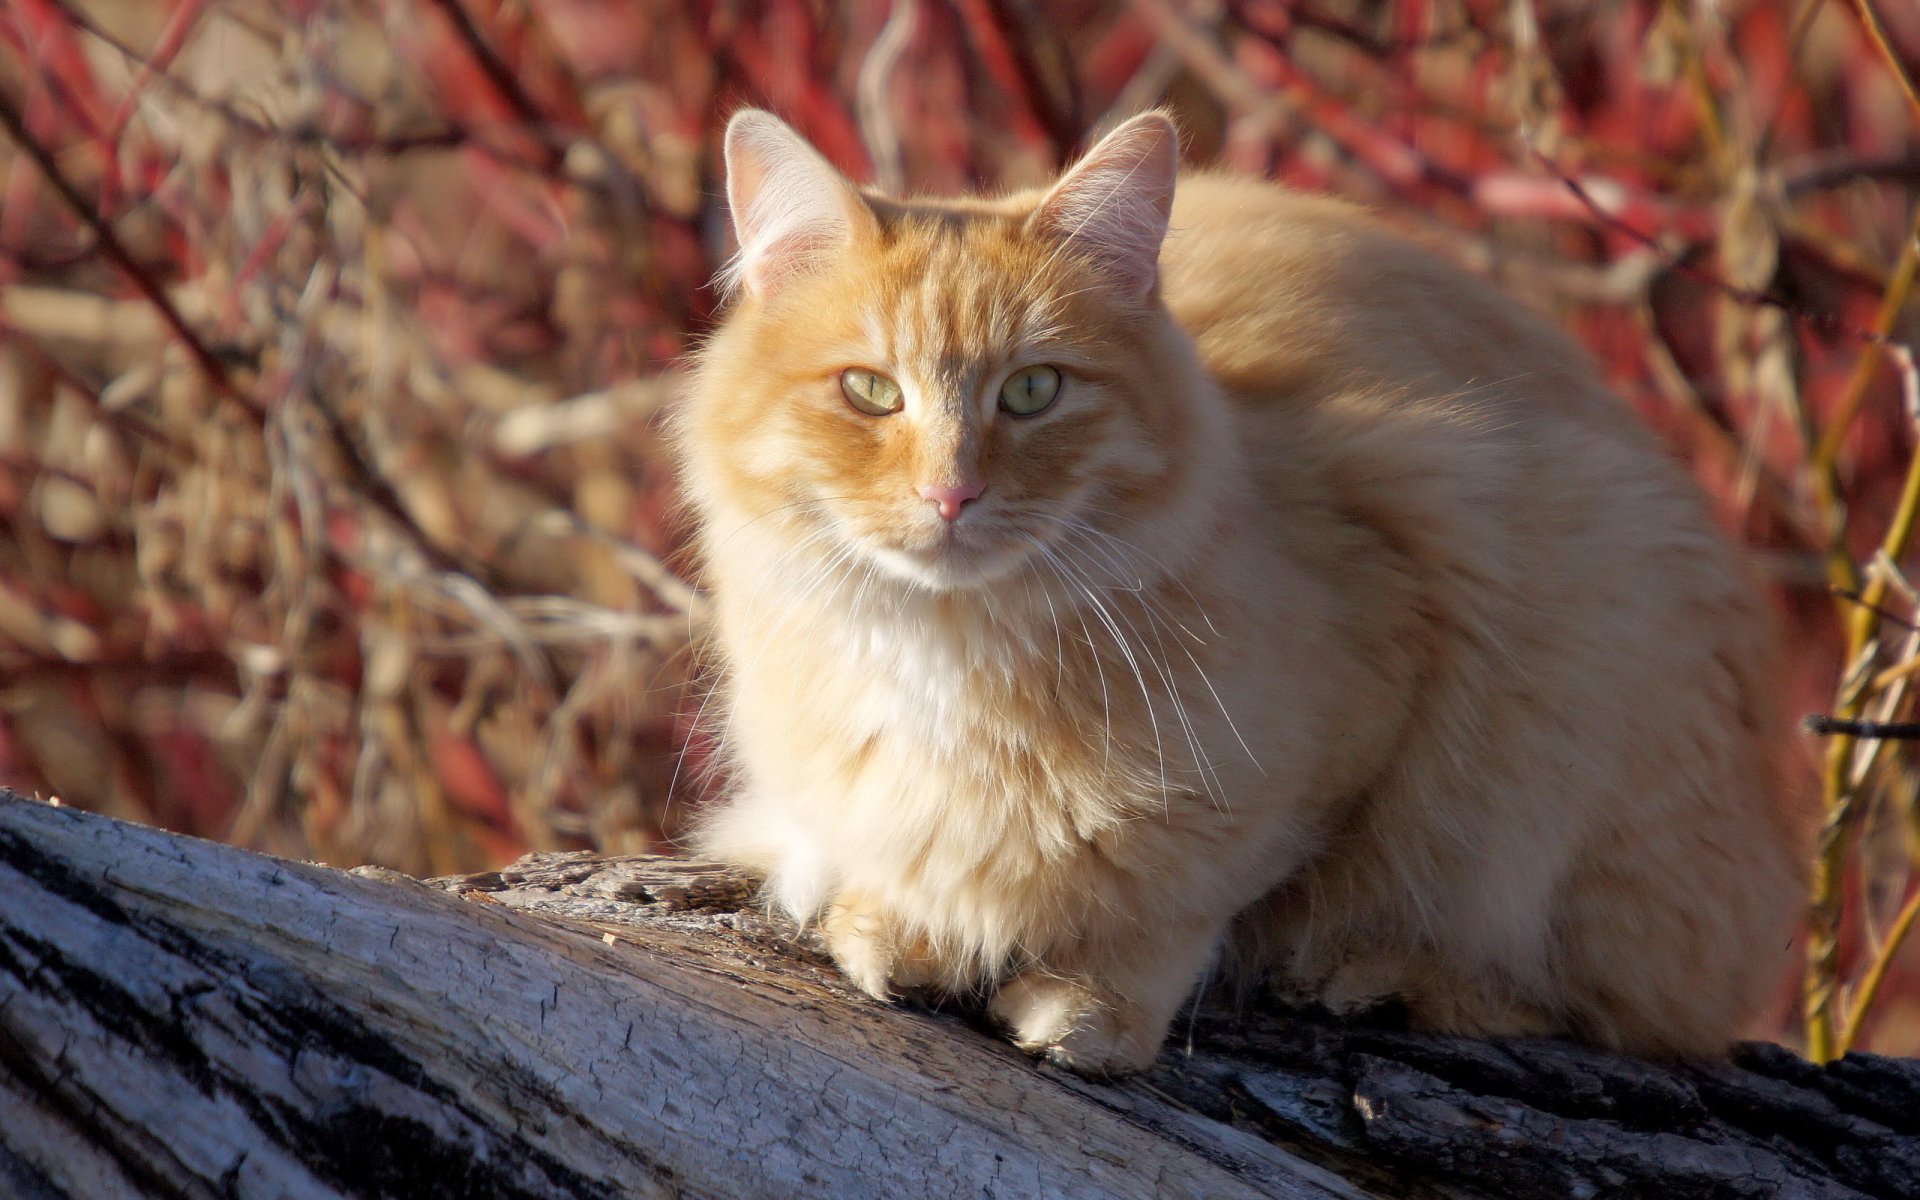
[[870, 392], [1030, 390]]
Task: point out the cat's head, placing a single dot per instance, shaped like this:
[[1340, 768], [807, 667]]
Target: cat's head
[[943, 390]]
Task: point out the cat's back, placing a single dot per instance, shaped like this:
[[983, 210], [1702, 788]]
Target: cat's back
[[1291, 297], [1406, 396]]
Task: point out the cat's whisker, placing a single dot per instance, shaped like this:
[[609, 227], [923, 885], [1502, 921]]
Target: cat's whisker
[[1091, 592], [1166, 573], [775, 511], [824, 571], [1119, 573], [1226, 716], [794, 590], [1086, 634], [1115, 559], [1099, 664], [866, 581], [764, 598], [1157, 612], [1059, 641], [1203, 764], [680, 760], [1210, 774]]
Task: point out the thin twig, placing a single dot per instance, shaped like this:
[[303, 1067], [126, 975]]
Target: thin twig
[[1713, 124], [1823, 466], [379, 144], [1309, 16], [1822, 979], [1848, 594], [1877, 33], [1174, 28], [1876, 974], [873, 96], [1824, 726], [1825, 323], [1815, 174], [1796, 41], [500, 76], [370, 483], [1020, 37], [116, 251]]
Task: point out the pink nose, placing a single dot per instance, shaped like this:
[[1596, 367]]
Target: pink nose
[[951, 499]]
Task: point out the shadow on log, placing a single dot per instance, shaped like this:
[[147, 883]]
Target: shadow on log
[[179, 1018]]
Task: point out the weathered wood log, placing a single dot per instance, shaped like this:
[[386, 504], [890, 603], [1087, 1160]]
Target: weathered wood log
[[179, 1018]]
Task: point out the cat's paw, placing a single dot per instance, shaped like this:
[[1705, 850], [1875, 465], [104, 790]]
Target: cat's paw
[[1074, 1027], [870, 949]]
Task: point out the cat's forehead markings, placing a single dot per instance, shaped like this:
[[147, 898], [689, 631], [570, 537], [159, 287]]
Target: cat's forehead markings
[[878, 332], [951, 306]]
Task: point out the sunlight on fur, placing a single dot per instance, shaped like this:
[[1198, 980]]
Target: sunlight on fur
[[1316, 613]]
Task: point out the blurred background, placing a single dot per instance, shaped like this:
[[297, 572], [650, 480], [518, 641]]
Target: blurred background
[[333, 337]]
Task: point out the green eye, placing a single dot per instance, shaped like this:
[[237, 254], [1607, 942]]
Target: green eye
[[1030, 390], [870, 392]]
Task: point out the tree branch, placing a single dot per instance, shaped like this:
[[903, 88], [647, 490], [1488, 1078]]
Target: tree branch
[[185, 1019]]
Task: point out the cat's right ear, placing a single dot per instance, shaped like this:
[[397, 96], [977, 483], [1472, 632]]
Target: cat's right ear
[[1114, 204], [791, 209]]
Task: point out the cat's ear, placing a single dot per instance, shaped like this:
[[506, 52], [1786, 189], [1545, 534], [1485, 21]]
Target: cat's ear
[[1113, 204], [790, 208]]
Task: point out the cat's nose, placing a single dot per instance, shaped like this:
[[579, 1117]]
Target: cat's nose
[[951, 499]]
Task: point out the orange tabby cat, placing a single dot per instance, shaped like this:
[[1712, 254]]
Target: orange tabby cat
[[1087, 605]]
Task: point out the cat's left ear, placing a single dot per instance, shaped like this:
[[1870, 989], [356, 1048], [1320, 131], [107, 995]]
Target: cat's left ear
[[791, 209], [1113, 205]]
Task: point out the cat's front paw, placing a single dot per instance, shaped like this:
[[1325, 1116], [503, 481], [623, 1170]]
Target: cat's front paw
[[1075, 1027], [871, 950]]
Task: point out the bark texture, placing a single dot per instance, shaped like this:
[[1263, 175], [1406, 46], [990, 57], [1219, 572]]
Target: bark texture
[[179, 1018]]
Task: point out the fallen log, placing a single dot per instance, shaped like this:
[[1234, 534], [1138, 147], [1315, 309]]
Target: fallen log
[[180, 1018]]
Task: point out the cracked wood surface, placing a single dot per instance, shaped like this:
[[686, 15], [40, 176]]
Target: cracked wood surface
[[179, 1018]]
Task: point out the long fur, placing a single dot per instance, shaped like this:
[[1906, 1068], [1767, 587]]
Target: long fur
[[1334, 614]]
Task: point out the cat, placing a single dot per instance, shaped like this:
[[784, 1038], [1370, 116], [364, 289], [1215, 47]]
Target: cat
[[1094, 603]]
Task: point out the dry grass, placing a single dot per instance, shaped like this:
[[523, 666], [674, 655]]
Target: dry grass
[[333, 333]]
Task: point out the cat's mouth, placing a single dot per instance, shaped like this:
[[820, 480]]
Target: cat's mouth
[[951, 556]]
